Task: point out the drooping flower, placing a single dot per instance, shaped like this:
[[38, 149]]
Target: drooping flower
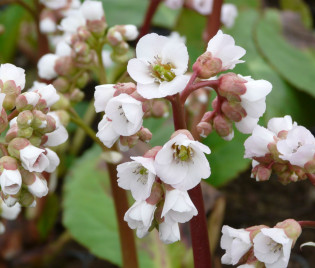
[[54, 160], [228, 15], [140, 217], [10, 176], [137, 176], [9, 72], [34, 159], [236, 243], [102, 96], [182, 163], [169, 232], [106, 132], [39, 186], [159, 67], [272, 247], [59, 135], [10, 213]]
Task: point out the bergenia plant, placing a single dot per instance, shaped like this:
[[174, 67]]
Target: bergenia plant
[[138, 76]]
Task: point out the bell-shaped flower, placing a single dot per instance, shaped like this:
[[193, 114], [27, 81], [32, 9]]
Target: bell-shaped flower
[[140, 217], [178, 207], [204, 7], [34, 159], [47, 25], [222, 46], [228, 15], [59, 135], [9, 72], [126, 114], [10, 213], [254, 103], [102, 95], [236, 243], [39, 187], [92, 10], [159, 67], [54, 160], [298, 147], [46, 66], [272, 247], [49, 95], [73, 20], [10, 177], [106, 132], [169, 232], [182, 163], [137, 176]]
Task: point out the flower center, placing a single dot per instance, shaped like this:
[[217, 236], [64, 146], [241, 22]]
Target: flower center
[[297, 147], [274, 247], [122, 113], [162, 72], [143, 174], [182, 152]]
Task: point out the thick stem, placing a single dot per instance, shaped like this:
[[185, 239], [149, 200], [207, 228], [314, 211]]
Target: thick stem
[[127, 241], [198, 224], [307, 224], [154, 4], [213, 24], [43, 45], [101, 67], [4, 149]]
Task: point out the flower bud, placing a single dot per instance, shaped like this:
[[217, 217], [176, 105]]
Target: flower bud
[[97, 27], [261, 173], [25, 132], [291, 228], [16, 145], [11, 93], [76, 95], [121, 49], [156, 194], [62, 104], [27, 101], [3, 120], [61, 84], [127, 88], [26, 199], [222, 125], [206, 66], [11, 133], [24, 119], [231, 86], [83, 80], [233, 110], [63, 116], [64, 66], [207, 117], [39, 120], [50, 125], [159, 108], [114, 37], [204, 129], [145, 134]]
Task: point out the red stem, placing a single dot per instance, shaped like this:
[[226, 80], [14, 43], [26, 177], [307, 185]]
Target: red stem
[[126, 236], [43, 46], [307, 224], [154, 4], [213, 24], [198, 224]]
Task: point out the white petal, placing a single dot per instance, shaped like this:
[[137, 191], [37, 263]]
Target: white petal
[[92, 10], [11, 72], [140, 71], [46, 66], [102, 95], [106, 133], [278, 124], [247, 124], [256, 90]]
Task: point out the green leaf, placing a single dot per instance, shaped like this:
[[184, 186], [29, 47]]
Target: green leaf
[[226, 158], [90, 217], [11, 18], [292, 64], [49, 216]]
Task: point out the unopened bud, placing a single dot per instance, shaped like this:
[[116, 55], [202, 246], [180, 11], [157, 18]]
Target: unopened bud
[[222, 125], [76, 95], [206, 66], [207, 117], [254, 230], [156, 194], [35, 140], [24, 119], [25, 132], [97, 27], [11, 133], [11, 93], [8, 163], [63, 116], [114, 37], [62, 104], [83, 34], [16, 145], [145, 134], [61, 84], [127, 88], [204, 129], [83, 80], [159, 108], [261, 173], [233, 110], [27, 101], [3, 120], [231, 86], [26, 198], [64, 66], [39, 120], [291, 228], [183, 131], [50, 125]]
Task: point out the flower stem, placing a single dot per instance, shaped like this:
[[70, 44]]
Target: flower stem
[[154, 4], [13, 114], [213, 23], [4, 149], [307, 224], [127, 241], [198, 224]]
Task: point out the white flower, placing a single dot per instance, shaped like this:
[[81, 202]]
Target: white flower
[[106, 132], [228, 15], [54, 4], [203, 7], [176, 36], [236, 242], [131, 32], [59, 135], [49, 94], [126, 114], [39, 187], [9, 72], [63, 49], [47, 25], [10, 181], [178, 207], [34, 159], [46, 66], [222, 46], [36, 86], [272, 247], [140, 217], [278, 124], [137, 176], [169, 232], [174, 4], [298, 147], [92, 10], [182, 163], [102, 95], [159, 67], [107, 60], [72, 21], [254, 103], [54, 160], [257, 144], [10, 213]]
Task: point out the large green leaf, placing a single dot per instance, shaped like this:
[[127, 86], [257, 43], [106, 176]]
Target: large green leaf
[[295, 66], [89, 215], [11, 18]]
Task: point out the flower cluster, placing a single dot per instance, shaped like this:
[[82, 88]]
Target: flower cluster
[[159, 182], [25, 154], [284, 148], [204, 7], [260, 246]]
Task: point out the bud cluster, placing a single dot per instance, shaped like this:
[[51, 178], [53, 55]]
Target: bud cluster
[[260, 246], [159, 182], [284, 148], [25, 154]]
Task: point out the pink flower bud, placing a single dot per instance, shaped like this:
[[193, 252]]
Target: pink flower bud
[[24, 119], [159, 108], [114, 37], [76, 95], [3, 120], [11, 93], [206, 66], [83, 34], [208, 116], [231, 86], [145, 134], [261, 173], [233, 110], [291, 228], [127, 88], [254, 230], [222, 125], [97, 27], [64, 66], [27, 101], [183, 131], [11, 133], [61, 84], [16, 145], [204, 129], [39, 120]]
